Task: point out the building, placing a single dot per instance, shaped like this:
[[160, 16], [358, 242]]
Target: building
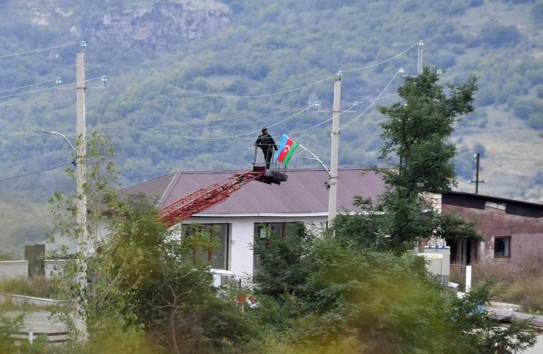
[[258, 208], [512, 230]]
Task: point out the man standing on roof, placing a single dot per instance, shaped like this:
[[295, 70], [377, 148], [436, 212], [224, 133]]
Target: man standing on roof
[[267, 144]]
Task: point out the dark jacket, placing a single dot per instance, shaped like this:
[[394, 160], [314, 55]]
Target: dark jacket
[[266, 143]]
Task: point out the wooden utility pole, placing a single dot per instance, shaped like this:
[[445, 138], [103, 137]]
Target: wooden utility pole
[[477, 168], [477, 156], [336, 111]]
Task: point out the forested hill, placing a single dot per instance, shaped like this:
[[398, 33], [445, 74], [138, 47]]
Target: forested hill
[[188, 84]]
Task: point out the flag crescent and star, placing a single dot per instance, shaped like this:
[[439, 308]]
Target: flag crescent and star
[[286, 149]]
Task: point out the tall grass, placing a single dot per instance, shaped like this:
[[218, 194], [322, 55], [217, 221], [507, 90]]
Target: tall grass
[[519, 284], [37, 286]]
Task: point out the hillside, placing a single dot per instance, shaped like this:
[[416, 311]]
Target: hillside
[[191, 83]]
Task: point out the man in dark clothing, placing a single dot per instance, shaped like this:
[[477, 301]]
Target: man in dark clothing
[[267, 144]]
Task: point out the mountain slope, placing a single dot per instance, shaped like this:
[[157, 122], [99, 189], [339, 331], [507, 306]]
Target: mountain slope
[[191, 83]]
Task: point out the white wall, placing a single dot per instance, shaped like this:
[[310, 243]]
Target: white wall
[[13, 269], [240, 256]]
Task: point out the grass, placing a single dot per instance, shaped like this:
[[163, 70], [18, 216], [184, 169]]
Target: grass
[[37, 286], [522, 285]]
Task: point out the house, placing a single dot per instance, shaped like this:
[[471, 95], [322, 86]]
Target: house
[[512, 230], [257, 208]]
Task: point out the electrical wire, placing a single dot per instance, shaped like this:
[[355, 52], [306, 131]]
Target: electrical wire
[[49, 88], [251, 96], [262, 95], [203, 94], [39, 50], [374, 101], [237, 136], [382, 62], [224, 95], [34, 173], [243, 135], [321, 123], [31, 85]]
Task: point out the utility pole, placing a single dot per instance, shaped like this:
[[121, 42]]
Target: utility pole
[[420, 58], [81, 172], [332, 193], [477, 157]]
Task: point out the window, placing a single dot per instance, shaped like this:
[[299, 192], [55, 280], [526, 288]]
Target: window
[[217, 257], [502, 247], [263, 231]]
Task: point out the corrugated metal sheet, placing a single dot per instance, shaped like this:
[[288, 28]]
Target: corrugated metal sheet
[[305, 191]]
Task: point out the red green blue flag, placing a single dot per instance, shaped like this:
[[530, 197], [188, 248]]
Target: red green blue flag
[[286, 149]]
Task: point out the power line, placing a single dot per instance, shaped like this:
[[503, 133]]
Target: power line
[[39, 50], [374, 101], [48, 88], [197, 93], [262, 95], [34, 173], [321, 123], [31, 85], [384, 61], [226, 95], [243, 135], [240, 135]]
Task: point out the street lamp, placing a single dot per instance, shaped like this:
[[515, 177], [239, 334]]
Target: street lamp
[[61, 135], [81, 211], [81, 217], [314, 158]]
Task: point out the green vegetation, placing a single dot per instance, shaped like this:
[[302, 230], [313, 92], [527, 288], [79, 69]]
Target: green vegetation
[[354, 291], [522, 286], [37, 286], [315, 293], [198, 105]]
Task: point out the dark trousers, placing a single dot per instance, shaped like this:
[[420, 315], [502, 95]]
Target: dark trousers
[[268, 156]]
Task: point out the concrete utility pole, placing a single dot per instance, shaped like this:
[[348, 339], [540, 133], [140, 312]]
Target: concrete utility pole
[[81, 175], [336, 111], [81, 158], [420, 58]]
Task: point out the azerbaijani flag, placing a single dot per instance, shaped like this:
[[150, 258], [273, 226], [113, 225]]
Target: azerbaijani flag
[[286, 149]]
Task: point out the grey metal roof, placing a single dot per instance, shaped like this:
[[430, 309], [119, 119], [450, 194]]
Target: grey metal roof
[[305, 191]]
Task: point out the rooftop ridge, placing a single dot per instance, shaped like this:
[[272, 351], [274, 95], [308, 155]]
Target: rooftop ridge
[[286, 170]]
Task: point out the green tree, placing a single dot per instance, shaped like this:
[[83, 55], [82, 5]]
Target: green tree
[[416, 134], [283, 268], [146, 290], [149, 278], [356, 288]]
